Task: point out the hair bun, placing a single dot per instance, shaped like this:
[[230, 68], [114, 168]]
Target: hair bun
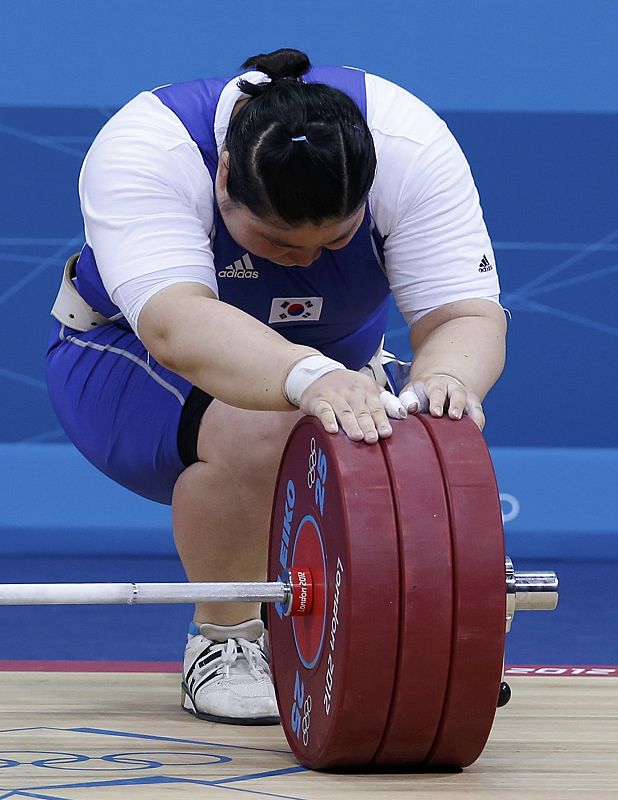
[[284, 63]]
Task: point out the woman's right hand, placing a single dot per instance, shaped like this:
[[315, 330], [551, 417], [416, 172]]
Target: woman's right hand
[[347, 398]]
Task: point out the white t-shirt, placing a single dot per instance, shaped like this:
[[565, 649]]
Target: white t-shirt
[[147, 199]]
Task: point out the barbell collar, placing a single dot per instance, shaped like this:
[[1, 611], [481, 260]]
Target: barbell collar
[[536, 591], [529, 591]]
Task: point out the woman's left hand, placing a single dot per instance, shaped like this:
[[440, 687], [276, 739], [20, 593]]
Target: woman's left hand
[[438, 394]]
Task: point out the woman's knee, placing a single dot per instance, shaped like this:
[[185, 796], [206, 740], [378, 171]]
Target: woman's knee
[[247, 444]]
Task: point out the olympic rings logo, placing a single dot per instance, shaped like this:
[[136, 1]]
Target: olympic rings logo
[[306, 720], [113, 762], [313, 460]]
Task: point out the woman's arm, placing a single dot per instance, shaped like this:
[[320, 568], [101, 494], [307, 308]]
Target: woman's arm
[[219, 348], [244, 363], [438, 254], [459, 353]]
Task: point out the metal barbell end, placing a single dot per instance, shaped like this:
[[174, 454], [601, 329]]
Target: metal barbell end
[[529, 591]]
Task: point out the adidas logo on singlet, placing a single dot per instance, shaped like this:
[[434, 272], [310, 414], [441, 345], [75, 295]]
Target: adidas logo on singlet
[[243, 268], [485, 265]]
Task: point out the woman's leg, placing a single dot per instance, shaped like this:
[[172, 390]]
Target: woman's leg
[[222, 504], [221, 513]]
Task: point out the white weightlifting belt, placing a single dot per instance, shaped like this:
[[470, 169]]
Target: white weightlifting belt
[[71, 309]]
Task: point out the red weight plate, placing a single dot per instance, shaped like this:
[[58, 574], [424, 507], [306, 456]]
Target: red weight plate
[[479, 608], [426, 595], [334, 669]]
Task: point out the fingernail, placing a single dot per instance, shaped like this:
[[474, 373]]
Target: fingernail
[[455, 413], [437, 410], [386, 430], [402, 412]]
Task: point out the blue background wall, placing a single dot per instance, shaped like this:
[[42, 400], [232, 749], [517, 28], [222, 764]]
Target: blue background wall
[[471, 55], [529, 89]]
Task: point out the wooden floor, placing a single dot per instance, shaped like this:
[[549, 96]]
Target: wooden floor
[[76, 736]]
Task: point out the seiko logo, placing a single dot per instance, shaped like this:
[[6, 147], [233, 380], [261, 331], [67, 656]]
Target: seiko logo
[[485, 265], [243, 268]]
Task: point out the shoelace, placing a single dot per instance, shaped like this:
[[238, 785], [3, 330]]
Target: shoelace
[[251, 651]]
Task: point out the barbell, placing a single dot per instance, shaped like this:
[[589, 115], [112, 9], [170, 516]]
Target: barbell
[[389, 596]]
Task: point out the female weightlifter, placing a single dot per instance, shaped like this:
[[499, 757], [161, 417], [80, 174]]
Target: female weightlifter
[[242, 239]]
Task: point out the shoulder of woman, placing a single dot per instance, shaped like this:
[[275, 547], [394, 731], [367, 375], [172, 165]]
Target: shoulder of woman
[[394, 112]]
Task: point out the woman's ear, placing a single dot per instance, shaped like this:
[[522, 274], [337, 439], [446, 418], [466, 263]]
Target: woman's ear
[[223, 170]]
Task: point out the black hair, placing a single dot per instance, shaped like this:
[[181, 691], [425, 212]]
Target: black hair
[[300, 152]]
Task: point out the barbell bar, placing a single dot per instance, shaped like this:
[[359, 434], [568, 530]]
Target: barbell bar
[[33, 594], [526, 591]]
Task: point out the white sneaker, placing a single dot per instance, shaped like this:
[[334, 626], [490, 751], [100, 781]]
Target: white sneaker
[[226, 677]]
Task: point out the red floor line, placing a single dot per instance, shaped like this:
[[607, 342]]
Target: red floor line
[[532, 670]]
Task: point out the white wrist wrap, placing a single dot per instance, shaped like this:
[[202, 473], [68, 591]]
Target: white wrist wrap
[[304, 373]]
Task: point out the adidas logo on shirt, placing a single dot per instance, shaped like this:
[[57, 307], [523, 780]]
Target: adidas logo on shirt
[[485, 265], [243, 268]]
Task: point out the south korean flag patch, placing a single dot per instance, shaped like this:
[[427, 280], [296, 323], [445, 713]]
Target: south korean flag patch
[[295, 309]]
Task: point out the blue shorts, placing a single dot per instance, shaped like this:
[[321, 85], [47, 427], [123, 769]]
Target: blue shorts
[[133, 419]]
